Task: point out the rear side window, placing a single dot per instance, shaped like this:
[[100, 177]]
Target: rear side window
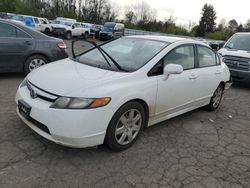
[[36, 20], [206, 56], [183, 56], [21, 34], [7, 30]]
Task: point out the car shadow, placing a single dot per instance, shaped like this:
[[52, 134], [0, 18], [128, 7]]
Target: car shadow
[[12, 75]]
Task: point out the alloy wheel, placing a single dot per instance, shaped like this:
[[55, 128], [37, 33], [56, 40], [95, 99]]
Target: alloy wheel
[[35, 63], [128, 126]]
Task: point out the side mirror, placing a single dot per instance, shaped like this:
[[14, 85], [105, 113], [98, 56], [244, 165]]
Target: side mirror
[[73, 27], [172, 69]]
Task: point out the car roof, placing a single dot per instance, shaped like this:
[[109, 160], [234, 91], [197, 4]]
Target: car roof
[[242, 33], [169, 39]]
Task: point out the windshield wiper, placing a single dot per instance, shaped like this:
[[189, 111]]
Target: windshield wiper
[[103, 52]]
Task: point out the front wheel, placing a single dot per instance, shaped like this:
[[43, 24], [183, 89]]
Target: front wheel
[[125, 126], [216, 99]]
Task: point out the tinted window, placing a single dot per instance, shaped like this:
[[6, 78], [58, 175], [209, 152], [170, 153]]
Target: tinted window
[[206, 56], [7, 30], [183, 56], [21, 34]]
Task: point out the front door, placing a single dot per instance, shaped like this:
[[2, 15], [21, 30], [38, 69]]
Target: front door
[[177, 92]]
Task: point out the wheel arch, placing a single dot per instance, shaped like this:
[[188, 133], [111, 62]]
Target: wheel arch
[[33, 54], [140, 101]]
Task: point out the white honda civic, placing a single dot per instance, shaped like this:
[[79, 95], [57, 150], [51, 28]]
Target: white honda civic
[[109, 93]]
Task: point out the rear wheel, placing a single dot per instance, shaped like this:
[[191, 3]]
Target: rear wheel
[[216, 98], [86, 35], [34, 62], [125, 126]]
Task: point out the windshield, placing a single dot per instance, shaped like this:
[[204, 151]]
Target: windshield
[[130, 53], [107, 29], [239, 42]]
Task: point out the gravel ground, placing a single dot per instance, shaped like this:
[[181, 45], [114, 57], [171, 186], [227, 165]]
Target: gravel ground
[[197, 149]]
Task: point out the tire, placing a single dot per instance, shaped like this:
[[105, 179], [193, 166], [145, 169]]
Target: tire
[[68, 35], [34, 62], [124, 130], [216, 99], [47, 31], [86, 35]]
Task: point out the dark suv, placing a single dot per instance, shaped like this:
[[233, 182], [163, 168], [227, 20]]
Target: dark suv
[[23, 49], [111, 30]]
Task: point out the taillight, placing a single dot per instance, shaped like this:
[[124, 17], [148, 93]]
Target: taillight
[[61, 45]]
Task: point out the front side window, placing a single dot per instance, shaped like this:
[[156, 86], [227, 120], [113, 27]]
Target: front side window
[[130, 53], [7, 30], [183, 56], [206, 57]]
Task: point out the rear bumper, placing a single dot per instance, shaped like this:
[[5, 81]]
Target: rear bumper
[[240, 75]]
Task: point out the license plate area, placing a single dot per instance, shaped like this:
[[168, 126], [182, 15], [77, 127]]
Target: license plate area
[[24, 108]]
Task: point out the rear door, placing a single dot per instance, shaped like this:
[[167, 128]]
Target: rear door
[[209, 74], [15, 44]]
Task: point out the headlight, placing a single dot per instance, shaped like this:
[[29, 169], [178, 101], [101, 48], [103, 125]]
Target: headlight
[[24, 83], [79, 103]]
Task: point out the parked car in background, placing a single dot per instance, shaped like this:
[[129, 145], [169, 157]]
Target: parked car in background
[[62, 19], [3, 15], [45, 25], [110, 93], [111, 30], [70, 29], [86, 29], [23, 49], [29, 21], [95, 29], [236, 54]]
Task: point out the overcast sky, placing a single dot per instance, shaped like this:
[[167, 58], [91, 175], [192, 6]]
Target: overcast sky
[[191, 9]]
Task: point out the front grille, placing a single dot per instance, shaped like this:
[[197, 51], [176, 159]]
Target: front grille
[[42, 94], [235, 62], [104, 34]]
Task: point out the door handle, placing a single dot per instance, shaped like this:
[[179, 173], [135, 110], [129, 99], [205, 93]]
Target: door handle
[[217, 72], [27, 42], [193, 77]]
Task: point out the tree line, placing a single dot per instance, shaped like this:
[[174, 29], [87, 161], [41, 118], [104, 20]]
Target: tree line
[[136, 16]]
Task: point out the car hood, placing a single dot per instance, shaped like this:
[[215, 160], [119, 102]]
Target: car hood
[[66, 77], [234, 52]]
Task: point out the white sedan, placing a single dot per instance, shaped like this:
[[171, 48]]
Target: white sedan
[[111, 92]]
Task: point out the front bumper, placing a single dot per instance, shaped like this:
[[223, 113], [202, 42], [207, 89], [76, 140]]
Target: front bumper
[[73, 128], [240, 75]]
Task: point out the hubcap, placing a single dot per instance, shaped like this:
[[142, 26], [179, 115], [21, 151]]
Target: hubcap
[[128, 127], [35, 63], [217, 97]]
